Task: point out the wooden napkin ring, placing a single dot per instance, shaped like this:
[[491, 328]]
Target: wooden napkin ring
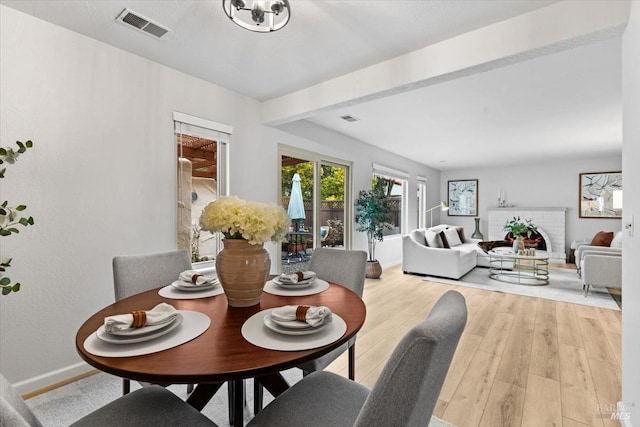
[[194, 278], [301, 312], [300, 275], [139, 318]]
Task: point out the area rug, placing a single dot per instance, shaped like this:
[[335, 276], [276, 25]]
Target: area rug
[[564, 285], [67, 404]]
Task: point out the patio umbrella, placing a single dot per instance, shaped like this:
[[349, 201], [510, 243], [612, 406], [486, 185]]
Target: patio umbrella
[[295, 210]]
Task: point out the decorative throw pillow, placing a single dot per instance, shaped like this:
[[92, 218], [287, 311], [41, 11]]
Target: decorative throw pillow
[[460, 231], [433, 239], [452, 236], [445, 242], [439, 228], [617, 240], [602, 238], [418, 236]]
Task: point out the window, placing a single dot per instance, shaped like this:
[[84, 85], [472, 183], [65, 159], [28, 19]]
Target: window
[[422, 202], [202, 177], [396, 192]]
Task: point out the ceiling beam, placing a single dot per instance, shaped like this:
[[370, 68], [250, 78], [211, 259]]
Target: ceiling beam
[[551, 29]]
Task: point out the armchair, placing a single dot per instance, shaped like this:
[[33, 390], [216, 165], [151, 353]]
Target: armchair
[[583, 250], [601, 270]]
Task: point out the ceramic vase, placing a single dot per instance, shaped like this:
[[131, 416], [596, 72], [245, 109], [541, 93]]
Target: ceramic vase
[[518, 244], [243, 270], [477, 234]]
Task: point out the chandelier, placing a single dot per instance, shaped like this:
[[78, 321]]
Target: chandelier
[[258, 17]]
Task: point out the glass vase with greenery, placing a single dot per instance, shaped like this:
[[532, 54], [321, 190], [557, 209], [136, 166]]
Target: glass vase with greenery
[[520, 228]]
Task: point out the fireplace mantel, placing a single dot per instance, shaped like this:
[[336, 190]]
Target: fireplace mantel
[[549, 220]]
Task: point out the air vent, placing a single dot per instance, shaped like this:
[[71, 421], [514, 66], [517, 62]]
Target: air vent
[[348, 118], [135, 20]]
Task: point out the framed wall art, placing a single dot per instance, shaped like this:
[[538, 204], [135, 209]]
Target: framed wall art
[[463, 197], [600, 195]]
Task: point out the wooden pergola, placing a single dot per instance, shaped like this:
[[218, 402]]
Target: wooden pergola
[[203, 154]]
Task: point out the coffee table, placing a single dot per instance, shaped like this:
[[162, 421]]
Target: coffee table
[[507, 267]]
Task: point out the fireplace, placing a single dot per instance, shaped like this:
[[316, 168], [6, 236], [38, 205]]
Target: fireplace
[[550, 223]]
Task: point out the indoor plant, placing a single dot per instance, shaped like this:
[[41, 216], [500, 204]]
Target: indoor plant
[[243, 264], [9, 216], [372, 217], [520, 229]]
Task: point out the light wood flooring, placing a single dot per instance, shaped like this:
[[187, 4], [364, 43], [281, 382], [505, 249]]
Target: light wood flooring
[[521, 361]]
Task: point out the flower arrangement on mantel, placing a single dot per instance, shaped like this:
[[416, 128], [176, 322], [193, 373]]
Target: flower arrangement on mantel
[[520, 228], [254, 222]]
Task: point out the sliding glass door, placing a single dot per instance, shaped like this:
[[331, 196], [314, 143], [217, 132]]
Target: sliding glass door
[[315, 192]]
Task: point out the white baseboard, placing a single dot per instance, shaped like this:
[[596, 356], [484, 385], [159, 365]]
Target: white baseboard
[[51, 378]]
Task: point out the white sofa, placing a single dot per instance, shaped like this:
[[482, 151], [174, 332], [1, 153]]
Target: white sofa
[[419, 257]]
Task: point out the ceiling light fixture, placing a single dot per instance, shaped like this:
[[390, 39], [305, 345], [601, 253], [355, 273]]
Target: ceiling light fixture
[[253, 18]]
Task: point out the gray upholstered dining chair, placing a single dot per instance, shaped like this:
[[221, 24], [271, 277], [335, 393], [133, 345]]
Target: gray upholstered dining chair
[[346, 268], [343, 267], [148, 406], [404, 395], [133, 274]]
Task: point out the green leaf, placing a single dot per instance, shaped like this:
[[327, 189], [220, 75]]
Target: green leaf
[[29, 144], [12, 216], [3, 170], [4, 232], [21, 207], [30, 220], [4, 281], [6, 291], [2, 211], [13, 230], [16, 287], [3, 151], [4, 204], [24, 221]]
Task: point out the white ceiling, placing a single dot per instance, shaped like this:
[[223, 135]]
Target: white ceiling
[[560, 105]]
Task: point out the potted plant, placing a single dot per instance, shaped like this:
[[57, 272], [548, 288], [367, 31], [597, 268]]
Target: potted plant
[[372, 217], [520, 229]]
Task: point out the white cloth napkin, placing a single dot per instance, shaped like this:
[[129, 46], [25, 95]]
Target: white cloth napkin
[[161, 313], [304, 276], [187, 278], [315, 316]]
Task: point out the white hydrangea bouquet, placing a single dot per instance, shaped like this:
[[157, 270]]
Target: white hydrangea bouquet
[[240, 219]]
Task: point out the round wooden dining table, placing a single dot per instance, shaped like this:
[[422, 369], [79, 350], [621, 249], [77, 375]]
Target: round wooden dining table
[[221, 353]]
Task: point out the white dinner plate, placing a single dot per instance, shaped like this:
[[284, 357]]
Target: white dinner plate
[[268, 322], [134, 332], [301, 284], [183, 286], [120, 339]]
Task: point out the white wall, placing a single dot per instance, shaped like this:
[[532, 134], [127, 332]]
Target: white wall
[[631, 208], [551, 184], [100, 180]]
